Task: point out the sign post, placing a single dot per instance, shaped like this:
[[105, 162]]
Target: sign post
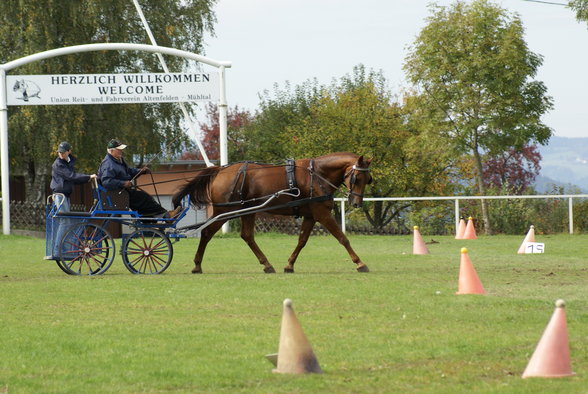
[[103, 89], [4, 153]]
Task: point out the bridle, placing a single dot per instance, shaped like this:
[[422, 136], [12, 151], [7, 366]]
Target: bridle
[[353, 174]]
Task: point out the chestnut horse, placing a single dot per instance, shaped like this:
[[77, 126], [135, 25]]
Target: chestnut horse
[[303, 188]]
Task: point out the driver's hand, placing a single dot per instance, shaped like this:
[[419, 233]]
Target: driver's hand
[[127, 184]]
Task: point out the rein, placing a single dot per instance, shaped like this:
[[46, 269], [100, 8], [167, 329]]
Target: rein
[[292, 191]]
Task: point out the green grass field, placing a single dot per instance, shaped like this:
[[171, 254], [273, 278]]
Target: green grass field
[[399, 328]]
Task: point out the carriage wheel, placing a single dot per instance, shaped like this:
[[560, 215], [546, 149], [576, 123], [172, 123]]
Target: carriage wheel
[[86, 249], [62, 267], [147, 251]]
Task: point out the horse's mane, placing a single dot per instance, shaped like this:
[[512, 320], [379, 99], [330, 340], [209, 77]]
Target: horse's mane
[[197, 188], [334, 159], [331, 157]]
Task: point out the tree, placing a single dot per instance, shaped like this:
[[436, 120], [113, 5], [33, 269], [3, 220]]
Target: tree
[[514, 170], [267, 138], [27, 27], [357, 114], [581, 8], [237, 121], [474, 71]]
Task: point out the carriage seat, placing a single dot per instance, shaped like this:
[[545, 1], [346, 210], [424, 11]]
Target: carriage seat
[[114, 200]]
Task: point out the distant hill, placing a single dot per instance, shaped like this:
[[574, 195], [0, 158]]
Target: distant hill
[[564, 163]]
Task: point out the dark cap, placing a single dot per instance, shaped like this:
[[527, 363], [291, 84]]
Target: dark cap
[[64, 147], [115, 144]]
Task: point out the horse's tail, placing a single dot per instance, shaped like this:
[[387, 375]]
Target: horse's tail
[[197, 188]]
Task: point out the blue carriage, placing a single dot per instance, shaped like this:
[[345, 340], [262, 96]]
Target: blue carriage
[[80, 243]]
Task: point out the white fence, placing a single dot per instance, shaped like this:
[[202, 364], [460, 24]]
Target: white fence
[[570, 198], [457, 199]]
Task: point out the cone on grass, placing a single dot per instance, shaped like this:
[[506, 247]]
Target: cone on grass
[[470, 231], [530, 237], [460, 229], [468, 282], [295, 354], [418, 245], [551, 358]]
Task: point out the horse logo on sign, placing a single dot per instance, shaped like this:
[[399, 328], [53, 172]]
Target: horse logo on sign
[[26, 89]]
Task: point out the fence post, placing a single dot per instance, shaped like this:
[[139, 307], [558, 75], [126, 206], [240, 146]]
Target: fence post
[[343, 216], [571, 215], [456, 214]]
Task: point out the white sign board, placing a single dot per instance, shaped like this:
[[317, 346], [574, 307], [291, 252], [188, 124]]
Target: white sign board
[[67, 89], [534, 247]]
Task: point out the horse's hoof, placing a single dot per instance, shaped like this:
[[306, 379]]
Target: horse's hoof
[[289, 270], [269, 270], [362, 268], [197, 271]]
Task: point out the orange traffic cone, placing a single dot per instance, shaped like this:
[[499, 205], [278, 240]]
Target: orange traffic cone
[[468, 283], [295, 354], [551, 358], [470, 231], [530, 237], [460, 229], [418, 245]]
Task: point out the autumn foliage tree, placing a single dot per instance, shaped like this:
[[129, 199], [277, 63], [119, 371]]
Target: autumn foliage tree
[[514, 170], [237, 121]]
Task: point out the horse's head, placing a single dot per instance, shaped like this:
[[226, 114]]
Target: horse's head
[[357, 176], [17, 86]]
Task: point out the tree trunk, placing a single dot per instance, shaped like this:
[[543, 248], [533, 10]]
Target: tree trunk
[[482, 190], [378, 219], [35, 180]]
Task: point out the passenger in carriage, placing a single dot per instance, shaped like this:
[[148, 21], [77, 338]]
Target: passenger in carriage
[[63, 179], [64, 175], [115, 174]]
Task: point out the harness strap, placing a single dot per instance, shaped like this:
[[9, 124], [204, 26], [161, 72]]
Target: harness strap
[[290, 175], [241, 202], [353, 178], [241, 174], [311, 172], [291, 178]]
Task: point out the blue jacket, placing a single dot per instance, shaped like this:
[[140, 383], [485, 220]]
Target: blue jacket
[[114, 173], [64, 176]]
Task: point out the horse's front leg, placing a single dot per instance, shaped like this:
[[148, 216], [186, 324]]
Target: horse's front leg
[[324, 217], [305, 230], [247, 233], [205, 237]]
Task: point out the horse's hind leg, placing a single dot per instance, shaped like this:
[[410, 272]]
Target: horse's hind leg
[[305, 230], [205, 237], [247, 233], [326, 219]]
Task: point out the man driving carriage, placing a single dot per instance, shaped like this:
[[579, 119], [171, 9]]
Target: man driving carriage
[[115, 174]]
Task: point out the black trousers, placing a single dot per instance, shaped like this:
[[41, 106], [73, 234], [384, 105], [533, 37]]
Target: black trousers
[[144, 204]]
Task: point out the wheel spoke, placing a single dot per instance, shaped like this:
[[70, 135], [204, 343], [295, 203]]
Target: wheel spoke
[[139, 258], [156, 259]]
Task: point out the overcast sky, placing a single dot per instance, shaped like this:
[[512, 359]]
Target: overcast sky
[[273, 41]]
